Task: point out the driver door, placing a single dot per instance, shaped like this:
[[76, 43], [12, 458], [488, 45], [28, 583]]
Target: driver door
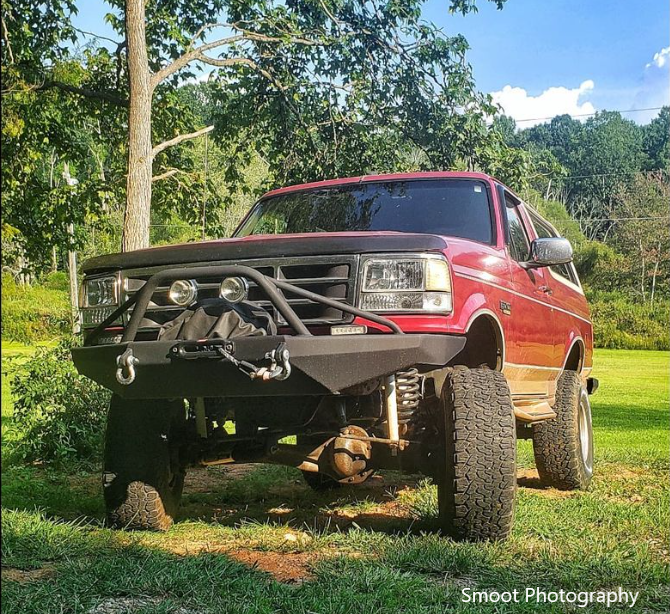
[[530, 347]]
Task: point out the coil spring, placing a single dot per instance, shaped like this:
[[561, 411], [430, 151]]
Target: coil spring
[[408, 393]]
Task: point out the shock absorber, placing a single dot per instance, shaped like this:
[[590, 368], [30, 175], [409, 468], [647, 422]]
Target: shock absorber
[[408, 393]]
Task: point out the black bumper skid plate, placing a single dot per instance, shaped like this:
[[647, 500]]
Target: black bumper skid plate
[[320, 364]]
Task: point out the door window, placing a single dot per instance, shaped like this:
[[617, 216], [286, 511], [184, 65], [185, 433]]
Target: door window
[[517, 238], [544, 231]]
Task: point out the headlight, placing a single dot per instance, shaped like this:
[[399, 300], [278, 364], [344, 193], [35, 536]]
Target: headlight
[[406, 284], [101, 292]]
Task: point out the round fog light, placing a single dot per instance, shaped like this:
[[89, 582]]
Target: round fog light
[[234, 289], [183, 292]]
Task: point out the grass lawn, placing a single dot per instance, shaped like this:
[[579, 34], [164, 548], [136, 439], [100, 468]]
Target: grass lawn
[[256, 539]]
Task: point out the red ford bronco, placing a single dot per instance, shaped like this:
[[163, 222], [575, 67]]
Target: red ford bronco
[[418, 322]]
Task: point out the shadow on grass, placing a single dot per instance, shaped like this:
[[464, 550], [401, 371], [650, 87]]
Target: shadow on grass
[[390, 504]]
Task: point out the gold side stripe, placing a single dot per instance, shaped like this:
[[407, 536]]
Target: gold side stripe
[[518, 366]]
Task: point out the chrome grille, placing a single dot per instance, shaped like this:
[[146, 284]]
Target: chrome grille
[[330, 276]]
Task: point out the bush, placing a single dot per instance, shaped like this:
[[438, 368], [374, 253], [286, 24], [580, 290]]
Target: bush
[[58, 280], [32, 314], [59, 415], [620, 323]]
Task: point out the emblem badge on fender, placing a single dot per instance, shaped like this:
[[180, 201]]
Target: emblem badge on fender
[[506, 308]]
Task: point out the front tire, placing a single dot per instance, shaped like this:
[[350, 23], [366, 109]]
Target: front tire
[[477, 487], [143, 476], [563, 446]]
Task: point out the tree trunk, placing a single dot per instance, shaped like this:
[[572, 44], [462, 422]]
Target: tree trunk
[[643, 285], [138, 186], [654, 275]]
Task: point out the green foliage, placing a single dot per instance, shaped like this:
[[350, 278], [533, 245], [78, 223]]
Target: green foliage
[[59, 414], [656, 141], [600, 267], [556, 213], [619, 323], [31, 314]]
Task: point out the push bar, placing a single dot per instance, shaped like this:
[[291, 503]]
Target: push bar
[[272, 287]]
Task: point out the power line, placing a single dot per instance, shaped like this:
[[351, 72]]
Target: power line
[[623, 219], [539, 119], [617, 174]]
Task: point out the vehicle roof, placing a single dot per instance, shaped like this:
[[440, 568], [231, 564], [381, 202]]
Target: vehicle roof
[[375, 178]]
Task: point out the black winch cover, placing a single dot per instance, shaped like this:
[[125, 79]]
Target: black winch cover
[[219, 319]]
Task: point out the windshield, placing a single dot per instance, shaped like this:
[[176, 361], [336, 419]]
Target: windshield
[[450, 207]]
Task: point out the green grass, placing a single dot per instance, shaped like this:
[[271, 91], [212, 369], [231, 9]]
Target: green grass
[[363, 549]]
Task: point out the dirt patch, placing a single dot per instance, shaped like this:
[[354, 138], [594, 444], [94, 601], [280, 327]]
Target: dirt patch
[[290, 568], [623, 473], [23, 576], [527, 474], [87, 483], [287, 567], [529, 478], [210, 479], [128, 605]]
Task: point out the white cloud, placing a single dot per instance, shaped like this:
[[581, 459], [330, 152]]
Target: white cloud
[[660, 59], [517, 103], [653, 91]]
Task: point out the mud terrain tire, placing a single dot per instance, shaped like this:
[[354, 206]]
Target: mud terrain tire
[[563, 446], [477, 488], [142, 474]]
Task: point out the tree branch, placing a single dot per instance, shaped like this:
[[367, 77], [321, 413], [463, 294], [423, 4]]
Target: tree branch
[[197, 53], [5, 37], [220, 62], [179, 139], [86, 93], [189, 57], [167, 174]]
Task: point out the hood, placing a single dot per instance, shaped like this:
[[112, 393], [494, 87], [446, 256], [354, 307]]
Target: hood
[[268, 246]]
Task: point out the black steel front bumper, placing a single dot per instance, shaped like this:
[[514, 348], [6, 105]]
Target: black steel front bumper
[[320, 364]]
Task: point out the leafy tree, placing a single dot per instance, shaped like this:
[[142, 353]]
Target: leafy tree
[[656, 141], [642, 233], [343, 80], [560, 136], [608, 155]]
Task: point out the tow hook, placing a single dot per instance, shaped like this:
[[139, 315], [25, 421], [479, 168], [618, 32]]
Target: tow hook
[[276, 371], [125, 371]]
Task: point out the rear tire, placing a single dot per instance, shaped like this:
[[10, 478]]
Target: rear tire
[[477, 487], [563, 446], [143, 476]]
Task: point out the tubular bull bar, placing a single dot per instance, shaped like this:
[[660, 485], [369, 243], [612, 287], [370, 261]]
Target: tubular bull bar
[[317, 365]]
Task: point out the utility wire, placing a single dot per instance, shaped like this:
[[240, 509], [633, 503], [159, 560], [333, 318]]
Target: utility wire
[[539, 119]]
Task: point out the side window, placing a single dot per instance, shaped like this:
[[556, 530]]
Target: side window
[[545, 232], [519, 246]]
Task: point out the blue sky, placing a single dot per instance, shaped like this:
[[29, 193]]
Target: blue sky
[[540, 58]]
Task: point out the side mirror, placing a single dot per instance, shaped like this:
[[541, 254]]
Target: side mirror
[[548, 252]]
